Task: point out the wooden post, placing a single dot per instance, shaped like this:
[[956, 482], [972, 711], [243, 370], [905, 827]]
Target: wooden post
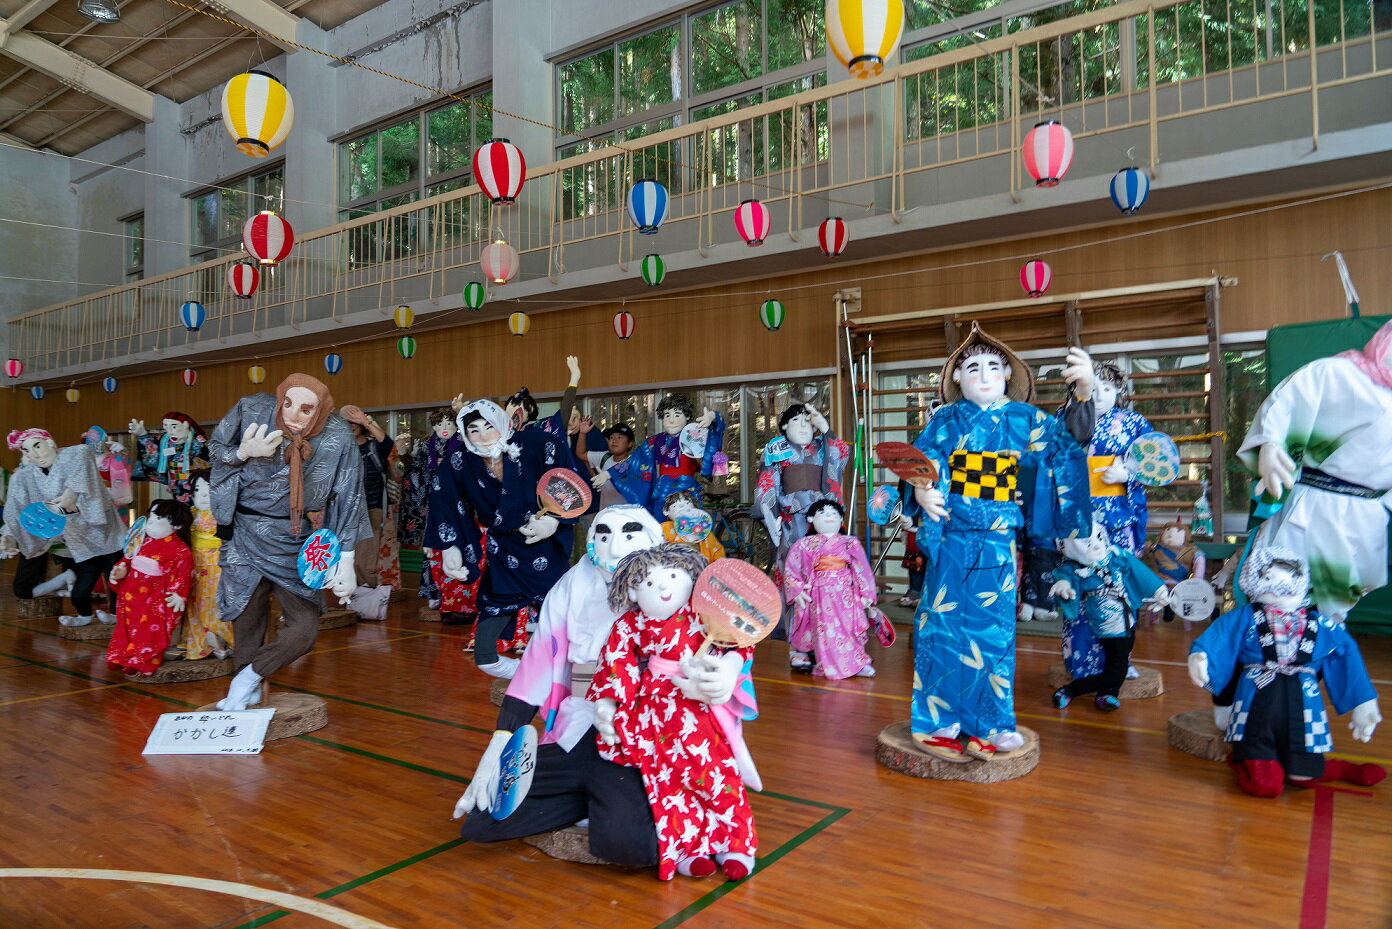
[[1073, 323], [1217, 406]]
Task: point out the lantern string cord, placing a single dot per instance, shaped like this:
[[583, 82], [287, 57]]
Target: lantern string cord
[[119, 235]]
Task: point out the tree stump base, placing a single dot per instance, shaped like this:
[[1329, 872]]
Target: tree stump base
[[397, 595], [295, 714], [336, 619], [1151, 682], [95, 631], [569, 844], [182, 670], [497, 689], [1193, 731], [897, 750], [41, 608]]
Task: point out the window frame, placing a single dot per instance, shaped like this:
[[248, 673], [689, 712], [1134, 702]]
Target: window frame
[[246, 182], [132, 270]]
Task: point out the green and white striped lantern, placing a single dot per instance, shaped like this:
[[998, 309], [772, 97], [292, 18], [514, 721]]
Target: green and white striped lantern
[[772, 314], [406, 346], [654, 270], [475, 295]]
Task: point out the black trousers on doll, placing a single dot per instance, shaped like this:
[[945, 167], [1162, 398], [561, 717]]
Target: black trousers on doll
[[31, 572], [1116, 656]]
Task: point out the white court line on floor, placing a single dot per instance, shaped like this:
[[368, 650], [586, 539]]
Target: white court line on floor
[[329, 914], [1177, 664]]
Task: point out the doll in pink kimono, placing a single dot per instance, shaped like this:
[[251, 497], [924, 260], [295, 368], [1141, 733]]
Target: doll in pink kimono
[[828, 581], [649, 716], [152, 588]]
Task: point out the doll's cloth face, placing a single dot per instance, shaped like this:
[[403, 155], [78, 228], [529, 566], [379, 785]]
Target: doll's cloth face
[[679, 507], [157, 527], [483, 434], [40, 451], [673, 421], [1173, 537], [982, 378], [664, 591], [178, 430], [827, 521], [1104, 395], [202, 494], [446, 429], [1283, 586], [297, 410], [517, 415], [799, 430], [1087, 551], [619, 531]]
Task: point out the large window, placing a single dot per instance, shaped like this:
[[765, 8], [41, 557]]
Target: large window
[[133, 228], [217, 216]]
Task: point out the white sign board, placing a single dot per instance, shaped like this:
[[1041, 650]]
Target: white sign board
[[1193, 600], [210, 732]]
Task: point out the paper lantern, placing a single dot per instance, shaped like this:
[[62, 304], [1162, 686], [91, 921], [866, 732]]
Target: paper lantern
[[404, 317], [73, 394], [1035, 277], [772, 314], [475, 295], [406, 347], [14, 367], [1048, 152], [862, 34], [193, 315], [623, 324], [268, 238], [752, 221], [499, 262], [256, 374], [37, 392], [109, 384], [654, 269], [243, 278], [258, 112], [647, 205], [499, 170], [1130, 187], [333, 362], [189, 376], [519, 323], [833, 236]]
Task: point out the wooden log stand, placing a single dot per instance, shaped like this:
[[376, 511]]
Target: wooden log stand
[[497, 689], [295, 714], [1151, 682], [41, 608], [897, 750], [569, 844], [337, 619], [1193, 731], [181, 671], [95, 631]]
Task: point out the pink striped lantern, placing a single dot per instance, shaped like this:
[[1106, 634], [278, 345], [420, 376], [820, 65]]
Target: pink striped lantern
[[752, 221], [189, 377], [833, 236], [1036, 276], [14, 367], [499, 262], [268, 238], [1048, 152], [243, 278], [500, 169], [623, 324]]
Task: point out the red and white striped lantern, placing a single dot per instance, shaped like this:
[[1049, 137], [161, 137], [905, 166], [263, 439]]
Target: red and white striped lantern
[[189, 377], [1048, 152], [14, 367], [833, 236], [499, 170], [268, 238], [623, 324], [1035, 277], [752, 221], [499, 262], [243, 278]]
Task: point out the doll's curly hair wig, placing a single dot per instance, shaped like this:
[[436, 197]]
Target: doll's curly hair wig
[[635, 567], [679, 402]]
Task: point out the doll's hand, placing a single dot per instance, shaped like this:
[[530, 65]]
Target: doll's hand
[[599, 480], [174, 602], [452, 561], [803, 598], [66, 501], [427, 552], [1198, 669], [484, 783], [8, 547], [867, 601], [604, 710], [1161, 597], [136, 427], [933, 502], [573, 364], [1062, 590], [710, 679], [353, 414], [345, 579], [906, 523], [259, 442], [1077, 371], [539, 527], [118, 573], [1116, 473], [818, 421], [1365, 719], [457, 403], [707, 417], [1277, 469], [775, 529]]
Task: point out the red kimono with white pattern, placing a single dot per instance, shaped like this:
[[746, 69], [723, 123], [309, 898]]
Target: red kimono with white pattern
[[144, 622], [689, 770]]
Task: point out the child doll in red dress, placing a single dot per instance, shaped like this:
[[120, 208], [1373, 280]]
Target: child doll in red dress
[[152, 588]]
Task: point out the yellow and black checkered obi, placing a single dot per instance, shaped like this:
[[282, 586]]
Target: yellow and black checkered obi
[[984, 475]]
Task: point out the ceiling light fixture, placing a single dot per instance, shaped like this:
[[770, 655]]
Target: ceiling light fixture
[[100, 11]]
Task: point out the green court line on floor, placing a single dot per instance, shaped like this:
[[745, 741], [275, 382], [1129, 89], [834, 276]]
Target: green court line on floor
[[339, 746], [13, 625], [386, 709]]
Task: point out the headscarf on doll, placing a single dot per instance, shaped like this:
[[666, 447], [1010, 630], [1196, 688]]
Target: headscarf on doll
[[167, 449], [496, 417], [1375, 359], [18, 437], [300, 450]]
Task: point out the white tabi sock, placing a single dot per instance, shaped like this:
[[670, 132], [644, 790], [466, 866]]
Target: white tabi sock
[[55, 584], [245, 689], [504, 667]]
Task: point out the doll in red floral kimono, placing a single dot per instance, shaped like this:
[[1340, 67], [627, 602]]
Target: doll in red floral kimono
[[691, 753], [152, 588]]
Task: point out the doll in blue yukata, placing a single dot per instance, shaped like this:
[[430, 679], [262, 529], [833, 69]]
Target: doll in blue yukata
[[1289, 656], [684, 450], [1103, 585]]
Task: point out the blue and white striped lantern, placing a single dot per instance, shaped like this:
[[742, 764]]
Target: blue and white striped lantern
[[193, 315], [333, 362], [647, 205], [37, 392], [1130, 187], [109, 384]]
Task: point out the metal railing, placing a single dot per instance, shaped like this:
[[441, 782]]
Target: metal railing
[[846, 149]]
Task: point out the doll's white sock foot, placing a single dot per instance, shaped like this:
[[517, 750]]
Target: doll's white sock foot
[[1132, 673], [696, 867], [799, 660], [243, 692], [1222, 715], [55, 584], [737, 866], [1007, 741], [504, 667], [1025, 613], [74, 620], [867, 671], [949, 732], [105, 618]]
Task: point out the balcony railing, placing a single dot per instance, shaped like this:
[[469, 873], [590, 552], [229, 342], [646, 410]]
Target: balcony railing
[[1118, 73]]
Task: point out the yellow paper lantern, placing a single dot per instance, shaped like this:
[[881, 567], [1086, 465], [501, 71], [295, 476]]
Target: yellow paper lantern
[[519, 323], [258, 112], [73, 394], [864, 33], [405, 317], [256, 374]]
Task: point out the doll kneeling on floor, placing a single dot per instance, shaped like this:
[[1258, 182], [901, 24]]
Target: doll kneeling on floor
[[691, 754], [152, 588], [1102, 585], [1284, 650]]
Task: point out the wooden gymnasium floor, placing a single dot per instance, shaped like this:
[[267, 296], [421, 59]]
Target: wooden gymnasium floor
[[1114, 828]]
